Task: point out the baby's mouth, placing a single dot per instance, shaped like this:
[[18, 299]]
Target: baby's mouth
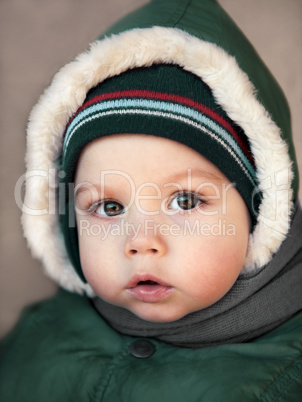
[[147, 283], [149, 290]]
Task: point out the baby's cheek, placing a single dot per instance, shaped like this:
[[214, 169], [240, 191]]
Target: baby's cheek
[[90, 261], [232, 253], [229, 264], [97, 278], [220, 263], [101, 266]]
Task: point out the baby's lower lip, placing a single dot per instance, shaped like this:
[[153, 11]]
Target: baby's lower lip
[[150, 293]]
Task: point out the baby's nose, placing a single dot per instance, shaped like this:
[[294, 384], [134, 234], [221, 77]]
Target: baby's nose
[[147, 240]]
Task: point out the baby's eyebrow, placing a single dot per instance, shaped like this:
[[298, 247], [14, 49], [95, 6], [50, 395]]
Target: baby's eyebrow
[[95, 189], [197, 173], [87, 187]]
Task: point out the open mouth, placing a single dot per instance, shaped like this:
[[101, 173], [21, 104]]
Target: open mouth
[[147, 283], [145, 280], [149, 290]]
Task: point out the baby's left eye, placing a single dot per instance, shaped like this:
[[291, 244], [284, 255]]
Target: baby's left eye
[[185, 201]]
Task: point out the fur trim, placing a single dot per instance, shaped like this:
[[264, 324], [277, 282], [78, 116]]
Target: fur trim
[[136, 48]]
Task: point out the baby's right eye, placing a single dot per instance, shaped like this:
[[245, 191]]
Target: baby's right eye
[[109, 208]]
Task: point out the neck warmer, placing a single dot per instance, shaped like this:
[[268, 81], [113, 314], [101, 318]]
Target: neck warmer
[[257, 303]]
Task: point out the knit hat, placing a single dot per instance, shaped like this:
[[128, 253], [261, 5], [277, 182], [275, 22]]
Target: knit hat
[[164, 101]]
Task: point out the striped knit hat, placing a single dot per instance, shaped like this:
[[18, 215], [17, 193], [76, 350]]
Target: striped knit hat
[[165, 101]]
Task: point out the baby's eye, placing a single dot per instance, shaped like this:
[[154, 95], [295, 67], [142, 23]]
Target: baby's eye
[[185, 201], [109, 208]]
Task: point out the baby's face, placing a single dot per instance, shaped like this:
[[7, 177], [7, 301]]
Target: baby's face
[[162, 231]]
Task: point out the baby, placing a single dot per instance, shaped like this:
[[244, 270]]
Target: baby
[[177, 232], [173, 259]]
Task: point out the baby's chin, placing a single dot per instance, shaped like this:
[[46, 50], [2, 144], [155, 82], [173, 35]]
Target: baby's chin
[[159, 314]]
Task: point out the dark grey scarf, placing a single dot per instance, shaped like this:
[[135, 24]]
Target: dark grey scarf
[[257, 303]]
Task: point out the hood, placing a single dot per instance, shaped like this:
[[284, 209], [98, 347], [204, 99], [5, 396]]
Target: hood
[[201, 38]]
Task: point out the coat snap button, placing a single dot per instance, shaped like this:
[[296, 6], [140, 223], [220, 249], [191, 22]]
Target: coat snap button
[[141, 349]]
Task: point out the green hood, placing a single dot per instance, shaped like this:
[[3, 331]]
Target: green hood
[[201, 38]]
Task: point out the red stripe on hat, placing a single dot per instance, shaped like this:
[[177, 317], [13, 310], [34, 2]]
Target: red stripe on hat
[[173, 98]]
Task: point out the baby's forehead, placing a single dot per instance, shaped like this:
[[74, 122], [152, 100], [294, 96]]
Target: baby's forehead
[[145, 158]]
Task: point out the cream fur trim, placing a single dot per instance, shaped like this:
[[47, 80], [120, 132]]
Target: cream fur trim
[[136, 48]]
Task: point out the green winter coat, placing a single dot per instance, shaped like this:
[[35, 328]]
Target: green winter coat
[[62, 350]]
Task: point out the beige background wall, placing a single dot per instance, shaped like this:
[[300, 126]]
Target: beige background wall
[[37, 37]]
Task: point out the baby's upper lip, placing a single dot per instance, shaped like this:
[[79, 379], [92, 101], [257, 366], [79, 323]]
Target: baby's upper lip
[[134, 281]]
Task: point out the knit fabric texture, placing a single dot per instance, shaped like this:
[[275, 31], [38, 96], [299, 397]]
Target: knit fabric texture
[[164, 101]]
